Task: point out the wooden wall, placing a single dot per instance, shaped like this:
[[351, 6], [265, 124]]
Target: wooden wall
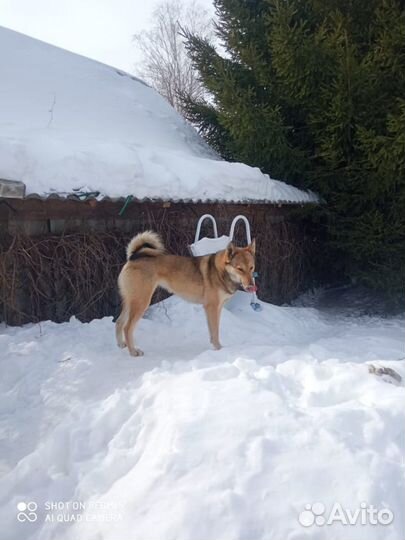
[[39, 240]]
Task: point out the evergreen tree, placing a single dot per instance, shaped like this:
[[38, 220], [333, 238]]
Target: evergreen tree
[[313, 92]]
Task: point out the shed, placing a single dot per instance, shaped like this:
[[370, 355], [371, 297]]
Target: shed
[[89, 156]]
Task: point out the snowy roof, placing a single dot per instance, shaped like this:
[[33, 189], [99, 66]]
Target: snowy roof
[[70, 123]]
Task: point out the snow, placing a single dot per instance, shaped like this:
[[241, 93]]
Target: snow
[[188, 443], [69, 123]]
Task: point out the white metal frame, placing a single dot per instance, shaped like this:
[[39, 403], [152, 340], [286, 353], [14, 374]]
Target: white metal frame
[[201, 221], [247, 228]]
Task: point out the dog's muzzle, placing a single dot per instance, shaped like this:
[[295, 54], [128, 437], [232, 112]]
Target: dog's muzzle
[[250, 289]]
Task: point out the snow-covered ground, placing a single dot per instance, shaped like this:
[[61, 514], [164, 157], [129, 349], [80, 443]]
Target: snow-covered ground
[[187, 443], [69, 123]]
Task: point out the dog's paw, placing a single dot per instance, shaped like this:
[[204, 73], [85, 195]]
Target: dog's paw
[[217, 346], [121, 345], [136, 352]]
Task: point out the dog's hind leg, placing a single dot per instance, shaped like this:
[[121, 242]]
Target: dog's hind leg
[[137, 307], [119, 328]]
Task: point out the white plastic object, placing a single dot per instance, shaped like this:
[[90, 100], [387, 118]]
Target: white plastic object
[[206, 246]]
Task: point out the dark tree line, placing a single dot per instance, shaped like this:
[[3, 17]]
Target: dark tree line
[[313, 92]]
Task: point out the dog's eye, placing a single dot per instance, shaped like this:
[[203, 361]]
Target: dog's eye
[[240, 269]]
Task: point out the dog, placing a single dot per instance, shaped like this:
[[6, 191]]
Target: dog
[[209, 280]]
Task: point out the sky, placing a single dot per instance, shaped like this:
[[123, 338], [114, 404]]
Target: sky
[[99, 29]]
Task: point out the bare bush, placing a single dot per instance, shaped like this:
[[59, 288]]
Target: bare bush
[[54, 277]]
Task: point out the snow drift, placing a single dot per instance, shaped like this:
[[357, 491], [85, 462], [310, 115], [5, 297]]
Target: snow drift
[[192, 444]]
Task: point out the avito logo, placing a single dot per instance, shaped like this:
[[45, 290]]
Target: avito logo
[[315, 514]]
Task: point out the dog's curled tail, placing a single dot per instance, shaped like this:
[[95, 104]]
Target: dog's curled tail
[[145, 244]]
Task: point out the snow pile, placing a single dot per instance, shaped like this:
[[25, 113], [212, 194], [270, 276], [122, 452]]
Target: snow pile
[[192, 444], [67, 122]]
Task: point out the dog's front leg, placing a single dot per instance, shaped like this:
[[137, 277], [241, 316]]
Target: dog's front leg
[[213, 312]]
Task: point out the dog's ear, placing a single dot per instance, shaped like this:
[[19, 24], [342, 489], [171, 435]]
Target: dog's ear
[[252, 247], [229, 252]]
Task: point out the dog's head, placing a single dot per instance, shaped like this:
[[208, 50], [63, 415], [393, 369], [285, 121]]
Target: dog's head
[[240, 265]]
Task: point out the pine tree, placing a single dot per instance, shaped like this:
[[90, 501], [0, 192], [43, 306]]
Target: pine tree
[[312, 92]]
